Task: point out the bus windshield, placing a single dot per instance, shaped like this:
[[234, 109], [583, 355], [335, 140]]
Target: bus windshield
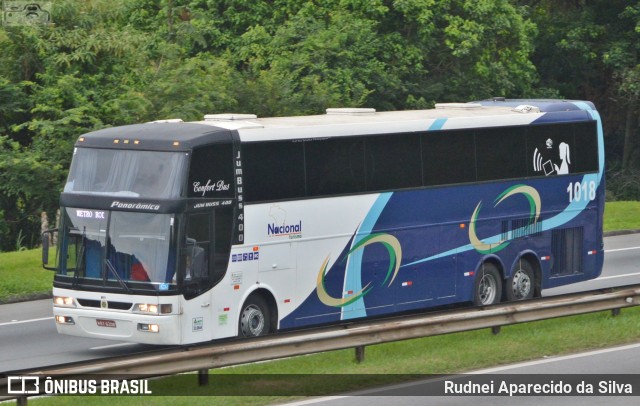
[[118, 246], [149, 174]]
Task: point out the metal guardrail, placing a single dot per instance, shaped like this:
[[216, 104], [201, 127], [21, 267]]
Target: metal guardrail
[[356, 335]]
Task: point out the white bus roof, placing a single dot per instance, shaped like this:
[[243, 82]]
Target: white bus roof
[[360, 121]]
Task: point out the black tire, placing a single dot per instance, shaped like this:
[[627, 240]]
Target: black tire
[[521, 283], [254, 318], [488, 286]]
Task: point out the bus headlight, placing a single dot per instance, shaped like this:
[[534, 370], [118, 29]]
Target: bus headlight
[[152, 308], [148, 328], [64, 320], [63, 301]]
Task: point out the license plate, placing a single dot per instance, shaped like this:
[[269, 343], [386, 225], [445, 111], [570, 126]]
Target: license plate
[[106, 323]]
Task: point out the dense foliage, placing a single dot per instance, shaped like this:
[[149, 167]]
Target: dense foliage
[[106, 63]]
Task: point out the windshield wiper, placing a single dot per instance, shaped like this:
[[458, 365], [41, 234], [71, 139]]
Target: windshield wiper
[[113, 271], [76, 273], [79, 264]]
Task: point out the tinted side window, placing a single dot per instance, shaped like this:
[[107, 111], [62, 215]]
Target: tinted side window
[[211, 172], [585, 152], [273, 170], [334, 166], [501, 153], [393, 162], [197, 249], [448, 157], [550, 149], [222, 233]]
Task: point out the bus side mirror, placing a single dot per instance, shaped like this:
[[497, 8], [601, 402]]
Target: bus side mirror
[[46, 247]]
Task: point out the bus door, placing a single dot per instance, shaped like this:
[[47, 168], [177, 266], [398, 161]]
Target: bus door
[[204, 258], [277, 267], [443, 277]]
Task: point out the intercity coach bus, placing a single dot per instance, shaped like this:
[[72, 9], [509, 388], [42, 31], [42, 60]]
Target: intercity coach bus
[[180, 232]]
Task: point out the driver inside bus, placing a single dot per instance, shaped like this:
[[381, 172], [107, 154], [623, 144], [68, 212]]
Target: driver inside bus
[[195, 263], [138, 273]]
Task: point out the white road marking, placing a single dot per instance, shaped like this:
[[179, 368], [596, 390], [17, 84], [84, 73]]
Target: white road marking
[[622, 249], [9, 323], [316, 400], [111, 346], [556, 359], [614, 276]]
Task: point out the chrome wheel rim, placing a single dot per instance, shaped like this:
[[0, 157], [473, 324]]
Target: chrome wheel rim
[[521, 284], [487, 289], [252, 321]]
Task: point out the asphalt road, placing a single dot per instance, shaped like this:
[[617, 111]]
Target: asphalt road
[[28, 337]]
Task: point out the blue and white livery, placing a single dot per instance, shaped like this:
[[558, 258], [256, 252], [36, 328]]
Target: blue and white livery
[[319, 219]]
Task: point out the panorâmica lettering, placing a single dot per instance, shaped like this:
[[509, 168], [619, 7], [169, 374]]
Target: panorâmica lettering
[[135, 206]]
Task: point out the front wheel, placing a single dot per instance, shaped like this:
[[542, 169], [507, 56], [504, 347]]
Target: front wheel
[[520, 285], [254, 318], [488, 286]]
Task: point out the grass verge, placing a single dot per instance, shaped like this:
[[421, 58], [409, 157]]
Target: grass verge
[[621, 216], [22, 276]]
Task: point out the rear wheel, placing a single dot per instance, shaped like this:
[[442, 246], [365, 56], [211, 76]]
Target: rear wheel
[[254, 318], [520, 286], [488, 286]]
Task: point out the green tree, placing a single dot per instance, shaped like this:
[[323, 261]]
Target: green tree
[[388, 55], [57, 82], [118, 62], [590, 50], [191, 87], [465, 50]]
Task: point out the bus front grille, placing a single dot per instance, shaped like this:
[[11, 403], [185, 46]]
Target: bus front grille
[[110, 305]]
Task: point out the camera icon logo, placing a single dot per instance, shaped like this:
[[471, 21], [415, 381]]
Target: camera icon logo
[[26, 13], [23, 385]]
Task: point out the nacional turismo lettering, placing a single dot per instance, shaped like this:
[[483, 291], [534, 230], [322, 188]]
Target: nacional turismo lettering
[[274, 230]]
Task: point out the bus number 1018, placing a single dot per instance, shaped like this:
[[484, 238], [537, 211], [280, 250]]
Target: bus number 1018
[[580, 191]]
